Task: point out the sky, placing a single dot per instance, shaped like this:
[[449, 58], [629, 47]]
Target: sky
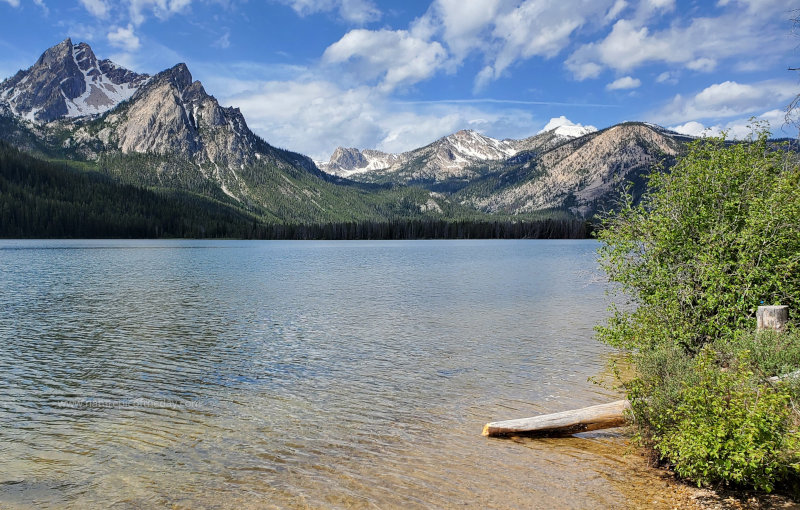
[[312, 75]]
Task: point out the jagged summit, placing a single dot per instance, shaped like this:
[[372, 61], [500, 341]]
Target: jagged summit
[[173, 114], [68, 81]]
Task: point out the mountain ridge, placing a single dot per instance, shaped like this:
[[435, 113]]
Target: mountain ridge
[[166, 131], [446, 158]]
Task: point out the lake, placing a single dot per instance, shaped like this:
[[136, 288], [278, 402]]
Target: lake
[[237, 374]]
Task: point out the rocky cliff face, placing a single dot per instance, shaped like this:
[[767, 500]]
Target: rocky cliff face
[[68, 81], [172, 114]]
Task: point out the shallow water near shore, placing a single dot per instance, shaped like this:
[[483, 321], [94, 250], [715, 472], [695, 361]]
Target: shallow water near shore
[[231, 374]]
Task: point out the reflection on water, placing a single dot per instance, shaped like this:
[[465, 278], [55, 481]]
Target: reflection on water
[[144, 374]]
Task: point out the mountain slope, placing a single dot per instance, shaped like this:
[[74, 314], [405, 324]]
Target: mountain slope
[[165, 132], [583, 175], [168, 133]]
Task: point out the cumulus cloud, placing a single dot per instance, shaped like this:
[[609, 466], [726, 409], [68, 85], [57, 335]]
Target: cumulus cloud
[[395, 56], [556, 122], [699, 44], [536, 28], [12, 3], [463, 25], [624, 83], [97, 8], [505, 32], [124, 38], [354, 11], [728, 99], [314, 116]]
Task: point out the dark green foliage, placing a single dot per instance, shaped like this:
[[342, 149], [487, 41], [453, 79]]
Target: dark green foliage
[[42, 199], [716, 416], [49, 199], [428, 228]]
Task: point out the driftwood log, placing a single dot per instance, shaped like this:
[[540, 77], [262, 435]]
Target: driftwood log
[[606, 416], [603, 416]]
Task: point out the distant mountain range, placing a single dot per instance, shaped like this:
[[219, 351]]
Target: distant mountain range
[[166, 132], [569, 167], [446, 158]]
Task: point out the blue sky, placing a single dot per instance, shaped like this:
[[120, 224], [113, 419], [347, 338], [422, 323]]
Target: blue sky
[[311, 75]]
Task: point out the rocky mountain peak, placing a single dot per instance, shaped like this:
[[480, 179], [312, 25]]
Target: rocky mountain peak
[[348, 159], [68, 81], [57, 54], [174, 115], [178, 75]]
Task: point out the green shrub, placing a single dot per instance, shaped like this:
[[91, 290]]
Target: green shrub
[[727, 425], [710, 241]]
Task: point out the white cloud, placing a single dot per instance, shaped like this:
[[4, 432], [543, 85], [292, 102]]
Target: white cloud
[[739, 128], [624, 83], [615, 10], [702, 64], [507, 31], [464, 25], [699, 43], [12, 3], [563, 121], [666, 77], [124, 38], [397, 57], [162, 9], [97, 8], [359, 11], [354, 11], [692, 128], [728, 99], [315, 116], [540, 29]]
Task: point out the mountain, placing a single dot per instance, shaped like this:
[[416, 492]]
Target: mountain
[[583, 174], [68, 81], [165, 133], [572, 168], [450, 157], [162, 131]]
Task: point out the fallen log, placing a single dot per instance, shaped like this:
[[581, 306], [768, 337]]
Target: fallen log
[[603, 416]]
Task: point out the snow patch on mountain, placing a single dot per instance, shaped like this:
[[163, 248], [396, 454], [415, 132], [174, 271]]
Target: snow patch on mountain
[[562, 126]]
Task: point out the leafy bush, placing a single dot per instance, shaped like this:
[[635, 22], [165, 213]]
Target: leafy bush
[[728, 425], [708, 243]]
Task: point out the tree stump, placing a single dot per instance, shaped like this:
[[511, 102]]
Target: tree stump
[[772, 317]]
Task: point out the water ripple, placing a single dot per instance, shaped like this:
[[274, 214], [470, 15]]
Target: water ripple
[[349, 375]]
